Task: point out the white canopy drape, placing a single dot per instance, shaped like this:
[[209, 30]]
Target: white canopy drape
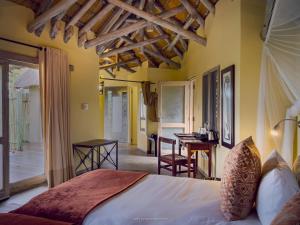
[[279, 94]]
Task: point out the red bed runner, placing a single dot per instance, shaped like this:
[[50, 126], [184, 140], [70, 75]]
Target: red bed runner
[[73, 200], [19, 219]]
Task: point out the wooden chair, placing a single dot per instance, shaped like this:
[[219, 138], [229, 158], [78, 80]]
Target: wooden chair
[[172, 161]]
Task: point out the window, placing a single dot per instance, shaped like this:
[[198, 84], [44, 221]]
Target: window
[[211, 99], [143, 114]]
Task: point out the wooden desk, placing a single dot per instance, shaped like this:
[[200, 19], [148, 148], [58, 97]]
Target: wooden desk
[[194, 144], [85, 151]]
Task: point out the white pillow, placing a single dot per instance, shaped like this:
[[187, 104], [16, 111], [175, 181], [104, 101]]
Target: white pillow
[[277, 186]]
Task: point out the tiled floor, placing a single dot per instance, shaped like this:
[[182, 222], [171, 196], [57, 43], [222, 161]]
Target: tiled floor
[[20, 199], [26, 163], [130, 158]]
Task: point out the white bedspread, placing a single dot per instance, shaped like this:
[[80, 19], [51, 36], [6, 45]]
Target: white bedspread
[[165, 200]]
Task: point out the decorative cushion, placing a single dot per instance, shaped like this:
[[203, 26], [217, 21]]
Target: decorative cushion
[[277, 186], [242, 172], [296, 169], [290, 214]]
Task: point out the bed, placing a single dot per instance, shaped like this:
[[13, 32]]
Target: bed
[[159, 199], [108, 197]]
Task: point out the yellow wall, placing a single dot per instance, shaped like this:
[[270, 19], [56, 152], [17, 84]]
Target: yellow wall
[[143, 73], [223, 32], [251, 49], [232, 38], [84, 124]]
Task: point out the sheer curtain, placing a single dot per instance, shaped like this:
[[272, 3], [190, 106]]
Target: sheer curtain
[[279, 95], [55, 79]]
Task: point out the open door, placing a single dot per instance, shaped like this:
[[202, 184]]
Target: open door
[[4, 143], [174, 108]]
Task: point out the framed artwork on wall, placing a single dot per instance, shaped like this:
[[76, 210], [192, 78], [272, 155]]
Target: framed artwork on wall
[[227, 107]]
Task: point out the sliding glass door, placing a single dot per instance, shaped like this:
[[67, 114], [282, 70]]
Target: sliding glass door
[[21, 144], [4, 189]]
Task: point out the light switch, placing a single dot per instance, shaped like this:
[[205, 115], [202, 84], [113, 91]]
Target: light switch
[[85, 106]]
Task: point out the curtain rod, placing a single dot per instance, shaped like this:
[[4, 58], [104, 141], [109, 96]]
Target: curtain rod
[[133, 81], [21, 43]]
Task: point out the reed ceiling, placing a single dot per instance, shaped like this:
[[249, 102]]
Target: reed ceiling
[[125, 32]]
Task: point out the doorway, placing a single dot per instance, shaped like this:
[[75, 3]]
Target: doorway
[[116, 116], [174, 109], [21, 145]]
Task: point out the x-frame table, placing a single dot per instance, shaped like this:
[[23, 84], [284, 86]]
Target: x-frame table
[[86, 150]]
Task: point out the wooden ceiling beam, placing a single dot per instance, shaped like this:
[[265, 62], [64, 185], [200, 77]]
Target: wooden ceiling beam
[[80, 13], [148, 58], [43, 7], [187, 24], [121, 63], [164, 15], [183, 42], [87, 27], [49, 14], [126, 67], [156, 55], [82, 39], [153, 46], [69, 28], [69, 33], [117, 25], [169, 41], [209, 6], [110, 73], [129, 29], [193, 11], [155, 19], [110, 22], [56, 24], [114, 18], [151, 5], [132, 46], [131, 20]]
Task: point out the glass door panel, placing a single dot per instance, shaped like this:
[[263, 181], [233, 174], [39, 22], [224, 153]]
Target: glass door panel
[[173, 99]]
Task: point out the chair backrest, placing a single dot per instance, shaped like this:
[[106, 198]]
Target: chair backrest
[[167, 141]]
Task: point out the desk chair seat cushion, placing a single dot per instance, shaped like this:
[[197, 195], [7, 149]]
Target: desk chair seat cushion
[[178, 158]]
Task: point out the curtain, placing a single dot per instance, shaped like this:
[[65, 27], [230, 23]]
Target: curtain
[[55, 87], [152, 107], [150, 100], [279, 94], [146, 91]]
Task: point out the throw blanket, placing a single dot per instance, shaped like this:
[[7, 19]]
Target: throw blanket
[[73, 200], [18, 219]]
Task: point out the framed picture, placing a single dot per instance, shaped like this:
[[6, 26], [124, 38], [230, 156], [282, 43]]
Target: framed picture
[[227, 108]]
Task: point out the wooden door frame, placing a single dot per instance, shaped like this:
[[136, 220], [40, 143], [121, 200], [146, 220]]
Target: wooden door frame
[[129, 114], [191, 100], [4, 193], [14, 58]]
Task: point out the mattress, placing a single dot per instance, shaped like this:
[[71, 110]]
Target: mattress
[[165, 200]]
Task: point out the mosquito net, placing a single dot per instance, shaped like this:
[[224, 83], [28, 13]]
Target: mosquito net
[[279, 94]]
